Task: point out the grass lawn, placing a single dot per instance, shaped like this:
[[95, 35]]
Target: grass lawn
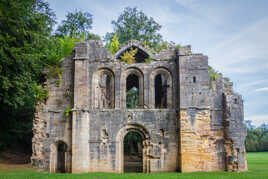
[[257, 169]]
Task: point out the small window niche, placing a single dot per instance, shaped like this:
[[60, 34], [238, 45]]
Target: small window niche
[[194, 79]]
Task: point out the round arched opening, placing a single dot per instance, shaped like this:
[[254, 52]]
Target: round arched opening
[[103, 89], [132, 91], [160, 91], [133, 160]]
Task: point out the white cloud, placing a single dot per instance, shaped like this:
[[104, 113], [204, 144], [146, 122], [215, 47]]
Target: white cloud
[[257, 120], [262, 89], [253, 83], [249, 44]]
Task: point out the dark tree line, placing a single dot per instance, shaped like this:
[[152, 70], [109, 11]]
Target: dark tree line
[[257, 139]]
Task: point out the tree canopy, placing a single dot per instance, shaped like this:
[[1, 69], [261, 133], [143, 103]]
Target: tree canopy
[[24, 31], [77, 22], [257, 138], [135, 24]]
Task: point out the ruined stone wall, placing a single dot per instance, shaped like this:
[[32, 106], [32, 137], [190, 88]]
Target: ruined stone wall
[[208, 123], [235, 133], [104, 156], [104, 150], [201, 134], [50, 124], [200, 130]]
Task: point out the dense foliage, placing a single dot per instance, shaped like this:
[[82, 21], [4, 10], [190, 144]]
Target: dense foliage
[[76, 24], [27, 47], [133, 24], [257, 140], [24, 31]]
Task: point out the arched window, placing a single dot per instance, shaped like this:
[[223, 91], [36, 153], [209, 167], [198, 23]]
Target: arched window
[[132, 88], [103, 89], [194, 79], [132, 91], [161, 89]]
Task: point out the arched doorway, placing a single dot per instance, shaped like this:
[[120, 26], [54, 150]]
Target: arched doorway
[[133, 152], [61, 157], [122, 136]]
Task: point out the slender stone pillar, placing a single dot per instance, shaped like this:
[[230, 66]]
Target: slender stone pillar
[[80, 126]]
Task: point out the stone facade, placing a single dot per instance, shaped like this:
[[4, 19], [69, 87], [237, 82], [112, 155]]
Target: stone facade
[[196, 125]]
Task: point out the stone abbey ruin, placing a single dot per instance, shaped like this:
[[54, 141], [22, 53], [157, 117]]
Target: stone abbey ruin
[[183, 121]]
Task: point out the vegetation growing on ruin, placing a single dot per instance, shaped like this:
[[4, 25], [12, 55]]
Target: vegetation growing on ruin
[[129, 56], [40, 93], [113, 45], [148, 60], [67, 112], [213, 74]]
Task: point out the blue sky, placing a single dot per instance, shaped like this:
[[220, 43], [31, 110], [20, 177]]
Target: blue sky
[[233, 33]]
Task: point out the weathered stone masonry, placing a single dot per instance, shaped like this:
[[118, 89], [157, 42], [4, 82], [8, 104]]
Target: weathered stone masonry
[[198, 126]]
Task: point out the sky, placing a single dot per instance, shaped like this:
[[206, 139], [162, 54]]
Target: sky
[[232, 33]]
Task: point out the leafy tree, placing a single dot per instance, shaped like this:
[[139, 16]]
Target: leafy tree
[[77, 22], [92, 36], [24, 32], [134, 24]]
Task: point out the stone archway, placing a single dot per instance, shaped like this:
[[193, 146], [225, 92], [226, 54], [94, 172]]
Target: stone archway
[[133, 152], [59, 158], [140, 130]]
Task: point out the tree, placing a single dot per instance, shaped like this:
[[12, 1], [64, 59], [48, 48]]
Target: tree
[[24, 32], [134, 24], [77, 22]]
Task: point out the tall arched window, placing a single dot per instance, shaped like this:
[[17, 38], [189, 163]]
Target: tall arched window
[[103, 89], [161, 89], [132, 88], [132, 91]]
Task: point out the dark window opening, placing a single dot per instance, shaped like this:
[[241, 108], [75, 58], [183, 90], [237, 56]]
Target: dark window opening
[[132, 91], [61, 160], [194, 79], [235, 101], [160, 92], [133, 152], [140, 56]]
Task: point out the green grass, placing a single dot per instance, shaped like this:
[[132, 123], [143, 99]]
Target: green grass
[[257, 169]]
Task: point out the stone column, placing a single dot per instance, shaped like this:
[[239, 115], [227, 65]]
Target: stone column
[[80, 126]]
